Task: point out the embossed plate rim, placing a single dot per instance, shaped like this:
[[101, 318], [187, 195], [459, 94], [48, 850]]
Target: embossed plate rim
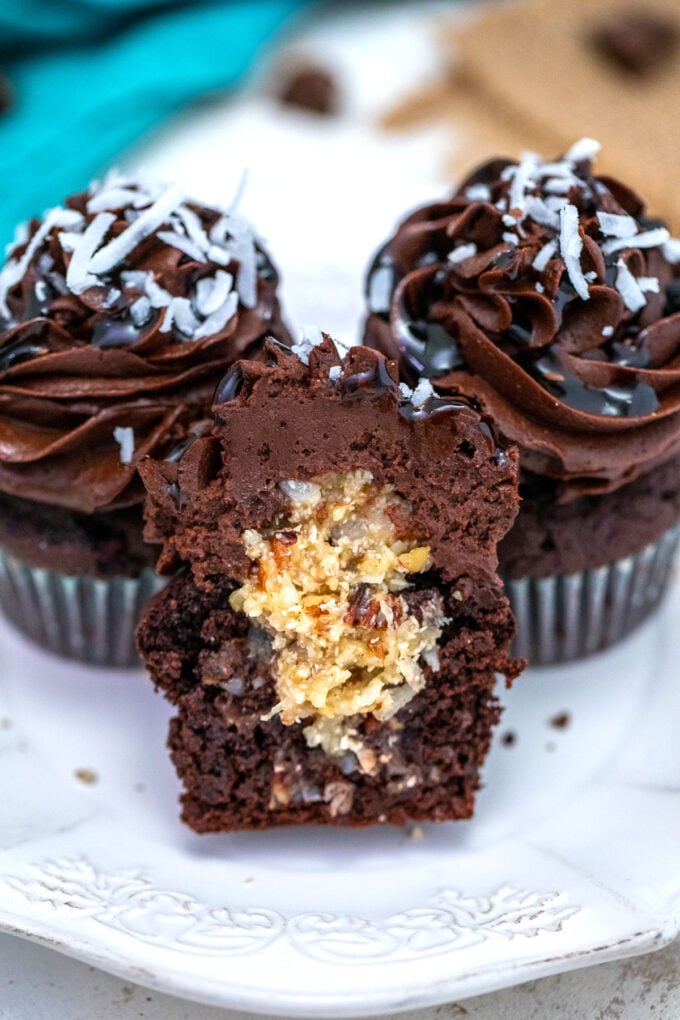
[[342, 1005]]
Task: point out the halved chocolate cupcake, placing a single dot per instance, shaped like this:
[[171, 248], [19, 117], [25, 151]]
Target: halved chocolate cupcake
[[332, 648]]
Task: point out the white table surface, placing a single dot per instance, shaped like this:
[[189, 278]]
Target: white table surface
[[37, 983]]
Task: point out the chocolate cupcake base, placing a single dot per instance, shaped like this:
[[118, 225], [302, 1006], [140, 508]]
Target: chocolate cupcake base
[[89, 619], [569, 616]]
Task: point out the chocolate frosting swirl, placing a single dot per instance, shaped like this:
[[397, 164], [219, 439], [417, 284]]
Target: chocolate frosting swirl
[[546, 293], [119, 312]]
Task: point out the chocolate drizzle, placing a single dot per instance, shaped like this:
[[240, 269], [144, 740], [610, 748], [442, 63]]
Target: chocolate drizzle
[[546, 293], [626, 400]]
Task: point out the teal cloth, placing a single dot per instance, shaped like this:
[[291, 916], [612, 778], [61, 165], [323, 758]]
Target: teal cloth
[[92, 76]]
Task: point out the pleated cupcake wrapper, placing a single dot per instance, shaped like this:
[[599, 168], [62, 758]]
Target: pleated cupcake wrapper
[[81, 618], [573, 615]]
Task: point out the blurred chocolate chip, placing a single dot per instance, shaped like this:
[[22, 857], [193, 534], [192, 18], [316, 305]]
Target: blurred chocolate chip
[[7, 94], [561, 721], [637, 42], [309, 88]]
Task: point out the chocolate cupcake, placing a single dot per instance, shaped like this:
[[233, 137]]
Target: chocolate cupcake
[[333, 645], [548, 295], [119, 313]]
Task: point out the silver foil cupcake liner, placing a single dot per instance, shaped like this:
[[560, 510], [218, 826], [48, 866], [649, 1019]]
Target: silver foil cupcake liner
[[82, 618], [573, 615]]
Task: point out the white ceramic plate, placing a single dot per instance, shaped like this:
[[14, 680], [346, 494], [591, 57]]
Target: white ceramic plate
[[570, 860], [572, 857]]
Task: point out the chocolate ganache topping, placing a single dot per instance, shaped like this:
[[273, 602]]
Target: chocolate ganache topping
[[119, 313], [544, 292]]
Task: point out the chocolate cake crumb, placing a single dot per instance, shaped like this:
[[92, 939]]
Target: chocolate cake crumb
[[561, 721], [509, 738], [637, 42], [88, 776], [311, 88]]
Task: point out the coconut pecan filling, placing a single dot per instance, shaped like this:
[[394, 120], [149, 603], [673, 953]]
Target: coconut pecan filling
[[329, 590]]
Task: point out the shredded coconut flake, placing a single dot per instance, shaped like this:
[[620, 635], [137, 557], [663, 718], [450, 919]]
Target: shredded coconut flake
[[116, 250], [520, 181], [671, 249], [540, 289], [541, 213], [183, 244], [559, 185], [194, 228], [334, 373], [14, 270], [69, 240], [629, 288], [125, 438], [562, 169], [20, 237], [646, 239], [607, 331], [233, 239], [311, 337], [78, 279], [465, 251], [212, 291], [216, 322], [544, 255], [156, 294], [422, 393], [613, 225], [134, 278], [180, 313], [140, 310], [300, 492], [478, 193], [570, 249], [220, 255], [584, 149], [117, 198], [240, 190], [219, 231], [555, 203], [243, 243]]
